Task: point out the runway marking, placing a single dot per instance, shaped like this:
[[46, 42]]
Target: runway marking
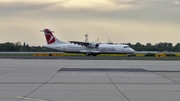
[[32, 99]]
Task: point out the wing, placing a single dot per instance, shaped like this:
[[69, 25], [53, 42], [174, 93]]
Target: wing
[[80, 43], [87, 44]]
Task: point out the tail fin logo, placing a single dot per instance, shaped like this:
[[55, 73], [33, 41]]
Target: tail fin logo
[[49, 36]]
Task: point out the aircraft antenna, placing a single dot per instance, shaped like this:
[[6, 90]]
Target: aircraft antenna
[[97, 40], [86, 37]]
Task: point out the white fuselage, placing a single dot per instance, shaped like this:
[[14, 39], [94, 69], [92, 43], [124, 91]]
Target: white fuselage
[[101, 49]]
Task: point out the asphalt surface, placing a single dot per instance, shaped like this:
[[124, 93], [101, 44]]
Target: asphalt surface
[[89, 80], [89, 58]]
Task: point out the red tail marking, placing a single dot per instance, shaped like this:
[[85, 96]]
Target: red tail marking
[[49, 36]]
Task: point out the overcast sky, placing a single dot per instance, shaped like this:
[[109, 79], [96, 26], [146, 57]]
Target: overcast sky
[[121, 21]]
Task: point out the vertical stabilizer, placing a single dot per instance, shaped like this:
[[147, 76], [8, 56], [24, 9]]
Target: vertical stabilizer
[[50, 38]]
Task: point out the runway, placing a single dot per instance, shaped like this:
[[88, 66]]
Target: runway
[[89, 58], [89, 80]]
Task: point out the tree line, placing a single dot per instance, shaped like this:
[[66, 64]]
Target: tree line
[[18, 47], [162, 46]]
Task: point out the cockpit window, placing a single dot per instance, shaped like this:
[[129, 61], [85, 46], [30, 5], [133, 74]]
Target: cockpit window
[[126, 46]]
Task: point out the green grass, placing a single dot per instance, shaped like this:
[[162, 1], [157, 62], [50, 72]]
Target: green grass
[[15, 54]]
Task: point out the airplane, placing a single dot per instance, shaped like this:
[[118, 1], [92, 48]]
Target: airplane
[[87, 48]]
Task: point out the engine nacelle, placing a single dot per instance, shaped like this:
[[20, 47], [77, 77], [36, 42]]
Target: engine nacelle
[[93, 45]]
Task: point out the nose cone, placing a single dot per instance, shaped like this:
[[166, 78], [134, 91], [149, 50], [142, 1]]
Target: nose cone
[[131, 50]]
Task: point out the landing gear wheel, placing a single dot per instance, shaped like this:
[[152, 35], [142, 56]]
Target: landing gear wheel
[[94, 55], [87, 54]]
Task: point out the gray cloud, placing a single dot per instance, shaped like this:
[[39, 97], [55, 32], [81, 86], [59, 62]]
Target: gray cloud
[[176, 2], [152, 10], [141, 16], [15, 8]]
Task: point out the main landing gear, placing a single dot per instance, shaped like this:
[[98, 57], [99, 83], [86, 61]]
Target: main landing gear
[[89, 54]]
